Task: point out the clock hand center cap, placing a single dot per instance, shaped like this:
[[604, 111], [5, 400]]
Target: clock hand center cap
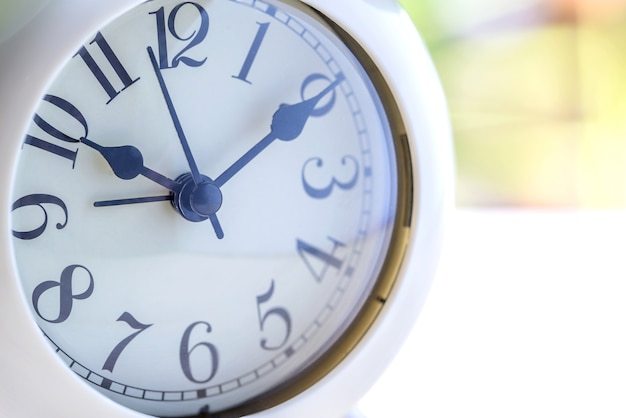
[[206, 198], [196, 202]]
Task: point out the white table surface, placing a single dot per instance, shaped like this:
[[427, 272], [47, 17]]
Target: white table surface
[[526, 318]]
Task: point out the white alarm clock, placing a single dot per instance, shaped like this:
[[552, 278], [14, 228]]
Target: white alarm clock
[[213, 208]]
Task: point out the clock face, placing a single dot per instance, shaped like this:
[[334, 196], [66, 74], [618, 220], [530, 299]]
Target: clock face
[[203, 203]]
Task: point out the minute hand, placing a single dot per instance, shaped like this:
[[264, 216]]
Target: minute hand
[[287, 124]]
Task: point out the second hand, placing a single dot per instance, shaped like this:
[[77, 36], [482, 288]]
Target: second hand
[[132, 201]]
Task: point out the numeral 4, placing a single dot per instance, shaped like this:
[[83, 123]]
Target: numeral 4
[[319, 261]]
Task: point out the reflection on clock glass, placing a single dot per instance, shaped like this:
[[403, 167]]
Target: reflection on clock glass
[[203, 202]]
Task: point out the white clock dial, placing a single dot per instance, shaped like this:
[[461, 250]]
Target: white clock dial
[[203, 203]]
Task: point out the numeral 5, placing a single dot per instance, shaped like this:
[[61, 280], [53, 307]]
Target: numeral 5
[[278, 313]]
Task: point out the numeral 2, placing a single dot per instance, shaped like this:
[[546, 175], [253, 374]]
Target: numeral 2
[[113, 61]]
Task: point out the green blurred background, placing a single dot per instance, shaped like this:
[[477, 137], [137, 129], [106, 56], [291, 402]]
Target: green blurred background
[[536, 95]]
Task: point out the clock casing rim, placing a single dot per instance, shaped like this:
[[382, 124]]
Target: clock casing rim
[[35, 382]]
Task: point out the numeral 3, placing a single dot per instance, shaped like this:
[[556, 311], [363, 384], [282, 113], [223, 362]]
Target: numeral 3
[[324, 192]]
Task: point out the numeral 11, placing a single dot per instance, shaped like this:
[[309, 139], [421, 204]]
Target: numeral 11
[[113, 61]]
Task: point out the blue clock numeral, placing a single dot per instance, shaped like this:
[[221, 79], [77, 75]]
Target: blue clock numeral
[[72, 111], [195, 38], [39, 200], [318, 261], [113, 61], [315, 77], [278, 313], [254, 49], [52, 148], [66, 293], [324, 192], [186, 354], [109, 364]]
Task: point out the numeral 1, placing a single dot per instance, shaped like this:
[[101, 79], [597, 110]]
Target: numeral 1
[[254, 49], [318, 261], [113, 61]]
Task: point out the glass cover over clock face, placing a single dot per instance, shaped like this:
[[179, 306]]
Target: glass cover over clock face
[[203, 202]]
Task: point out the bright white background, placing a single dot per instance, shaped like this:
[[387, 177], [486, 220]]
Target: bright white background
[[526, 318]]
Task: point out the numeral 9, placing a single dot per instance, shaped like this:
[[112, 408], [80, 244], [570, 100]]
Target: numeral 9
[[39, 200]]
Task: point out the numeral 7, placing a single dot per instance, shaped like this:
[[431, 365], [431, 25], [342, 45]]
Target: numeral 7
[[109, 364]]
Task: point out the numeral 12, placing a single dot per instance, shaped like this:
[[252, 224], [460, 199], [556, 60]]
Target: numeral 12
[[195, 39]]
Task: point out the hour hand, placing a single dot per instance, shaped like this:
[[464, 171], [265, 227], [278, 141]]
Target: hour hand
[[126, 162], [288, 122]]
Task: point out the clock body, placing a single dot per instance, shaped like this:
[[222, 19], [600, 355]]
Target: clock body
[[199, 224]]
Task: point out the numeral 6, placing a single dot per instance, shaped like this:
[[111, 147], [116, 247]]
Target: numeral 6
[[186, 352]]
